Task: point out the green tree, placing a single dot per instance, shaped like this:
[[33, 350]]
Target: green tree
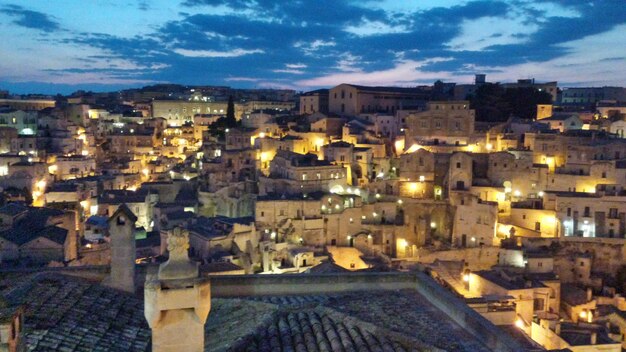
[[494, 103], [231, 121]]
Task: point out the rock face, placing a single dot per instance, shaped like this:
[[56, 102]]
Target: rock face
[[177, 301]]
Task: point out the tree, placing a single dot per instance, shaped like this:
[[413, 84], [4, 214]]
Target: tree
[[231, 121], [494, 103]]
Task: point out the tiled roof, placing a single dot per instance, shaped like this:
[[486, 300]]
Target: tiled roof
[[13, 209], [70, 314], [63, 314]]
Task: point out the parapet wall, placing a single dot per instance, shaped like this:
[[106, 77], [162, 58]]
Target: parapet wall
[[263, 285], [306, 284]]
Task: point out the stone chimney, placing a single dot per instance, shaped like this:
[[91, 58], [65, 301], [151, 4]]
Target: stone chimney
[[177, 300], [594, 338], [122, 234]]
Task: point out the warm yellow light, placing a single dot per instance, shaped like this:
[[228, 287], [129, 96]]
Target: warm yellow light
[[84, 152], [433, 225], [519, 323], [583, 314], [489, 146], [413, 186], [319, 142], [415, 147], [466, 278], [84, 204], [41, 184], [262, 135], [402, 242], [400, 201], [422, 178], [146, 172], [399, 144], [52, 169]]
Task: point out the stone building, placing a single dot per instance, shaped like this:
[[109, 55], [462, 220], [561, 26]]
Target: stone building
[[351, 100], [314, 101], [443, 122]]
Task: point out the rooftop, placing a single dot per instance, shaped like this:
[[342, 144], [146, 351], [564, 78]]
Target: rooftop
[[70, 314]]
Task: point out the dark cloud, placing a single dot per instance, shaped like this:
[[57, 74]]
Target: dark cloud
[[315, 34], [30, 19]]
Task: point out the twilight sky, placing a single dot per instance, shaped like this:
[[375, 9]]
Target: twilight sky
[[65, 45]]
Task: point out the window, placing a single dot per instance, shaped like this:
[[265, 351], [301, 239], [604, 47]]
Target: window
[[582, 263], [538, 304], [569, 211], [262, 213], [587, 212], [458, 165], [537, 226], [613, 213]]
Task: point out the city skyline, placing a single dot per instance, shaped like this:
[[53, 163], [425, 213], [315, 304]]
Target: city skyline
[[68, 45]]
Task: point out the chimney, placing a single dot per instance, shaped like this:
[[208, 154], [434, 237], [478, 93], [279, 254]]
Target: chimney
[[122, 234], [589, 294], [177, 302], [557, 329], [594, 338]]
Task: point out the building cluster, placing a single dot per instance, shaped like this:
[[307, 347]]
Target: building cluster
[[524, 219]]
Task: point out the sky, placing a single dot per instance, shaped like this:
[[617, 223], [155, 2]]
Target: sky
[[64, 45]]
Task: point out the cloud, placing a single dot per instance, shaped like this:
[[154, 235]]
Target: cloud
[[592, 60], [241, 79], [296, 66], [215, 53], [484, 32], [30, 19], [367, 27], [311, 48], [312, 43], [287, 70], [403, 73]]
